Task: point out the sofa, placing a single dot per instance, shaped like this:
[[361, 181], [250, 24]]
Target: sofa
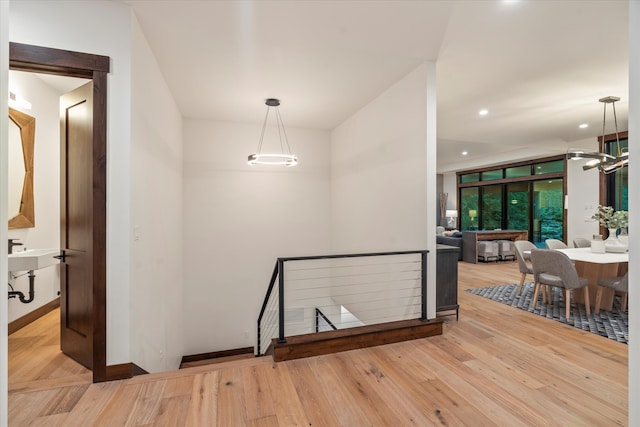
[[453, 238]]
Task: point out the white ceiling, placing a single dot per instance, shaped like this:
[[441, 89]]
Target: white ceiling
[[539, 67]]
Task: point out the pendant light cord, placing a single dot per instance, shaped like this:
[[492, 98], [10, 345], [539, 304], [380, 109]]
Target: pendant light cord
[[281, 131], [284, 132], [615, 121], [264, 126]]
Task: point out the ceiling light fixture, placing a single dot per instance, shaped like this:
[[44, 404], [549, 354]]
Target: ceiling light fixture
[[604, 162], [483, 112], [464, 153], [285, 157], [584, 126]]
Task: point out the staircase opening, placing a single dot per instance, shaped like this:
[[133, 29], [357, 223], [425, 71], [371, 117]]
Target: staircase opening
[[322, 304]]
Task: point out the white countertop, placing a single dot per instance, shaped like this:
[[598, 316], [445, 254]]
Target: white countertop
[[585, 254]]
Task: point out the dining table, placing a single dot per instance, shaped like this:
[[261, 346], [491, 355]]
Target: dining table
[[593, 266]]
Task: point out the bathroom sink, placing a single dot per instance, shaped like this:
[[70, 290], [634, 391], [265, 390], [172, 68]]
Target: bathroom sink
[[32, 259]]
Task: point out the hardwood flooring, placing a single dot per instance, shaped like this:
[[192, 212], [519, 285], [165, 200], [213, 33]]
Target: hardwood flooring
[[495, 366]]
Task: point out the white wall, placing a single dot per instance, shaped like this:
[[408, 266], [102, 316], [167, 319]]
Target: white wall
[[583, 195], [4, 93], [46, 189], [238, 219], [378, 173], [383, 172], [634, 209], [66, 25], [156, 215]]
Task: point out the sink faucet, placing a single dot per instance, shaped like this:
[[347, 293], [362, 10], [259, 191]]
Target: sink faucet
[[12, 243]]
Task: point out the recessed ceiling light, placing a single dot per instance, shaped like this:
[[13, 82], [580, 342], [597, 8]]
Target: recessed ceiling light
[[483, 112], [464, 153], [584, 125]]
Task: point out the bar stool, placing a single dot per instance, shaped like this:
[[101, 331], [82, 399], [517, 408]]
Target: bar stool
[[506, 250], [488, 250]]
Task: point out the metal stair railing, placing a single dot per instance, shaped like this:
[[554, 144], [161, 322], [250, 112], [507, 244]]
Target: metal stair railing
[[271, 319]]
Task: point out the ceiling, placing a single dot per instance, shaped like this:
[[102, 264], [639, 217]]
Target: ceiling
[[539, 67]]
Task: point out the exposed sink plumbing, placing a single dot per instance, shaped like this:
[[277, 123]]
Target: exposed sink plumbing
[[20, 295]]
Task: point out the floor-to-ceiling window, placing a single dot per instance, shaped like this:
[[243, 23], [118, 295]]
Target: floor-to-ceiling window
[[491, 207], [518, 206], [520, 196], [616, 184], [548, 200], [469, 208]]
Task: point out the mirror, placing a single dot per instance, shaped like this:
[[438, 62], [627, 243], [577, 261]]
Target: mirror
[[21, 146]]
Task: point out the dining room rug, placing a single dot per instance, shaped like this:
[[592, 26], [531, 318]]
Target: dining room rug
[[612, 324]]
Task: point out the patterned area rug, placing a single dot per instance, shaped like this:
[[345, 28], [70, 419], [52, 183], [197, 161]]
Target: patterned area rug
[[612, 324]]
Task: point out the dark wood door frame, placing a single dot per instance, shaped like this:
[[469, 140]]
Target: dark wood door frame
[[38, 59]]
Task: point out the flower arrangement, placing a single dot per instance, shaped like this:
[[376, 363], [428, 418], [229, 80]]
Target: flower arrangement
[[609, 218]]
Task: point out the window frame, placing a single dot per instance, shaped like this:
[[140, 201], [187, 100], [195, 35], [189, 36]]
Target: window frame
[[530, 178], [606, 180]]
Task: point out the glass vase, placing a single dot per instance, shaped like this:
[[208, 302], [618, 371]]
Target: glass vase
[[612, 244], [623, 238]]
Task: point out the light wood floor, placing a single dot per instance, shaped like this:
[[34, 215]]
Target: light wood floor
[[496, 366]]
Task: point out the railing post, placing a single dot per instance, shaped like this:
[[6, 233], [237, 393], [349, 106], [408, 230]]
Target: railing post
[[258, 334], [424, 286], [281, 338]]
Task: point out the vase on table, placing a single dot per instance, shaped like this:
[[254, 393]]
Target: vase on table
[[623, 238], [597, 244], [612, 244]]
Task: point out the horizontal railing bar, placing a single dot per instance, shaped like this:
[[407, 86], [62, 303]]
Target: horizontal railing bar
[[273, 304], [368, 301], [269, 336], [405, 316], [393, 318], [386, 298], [352, 265], [271, 333], [362, 255], [361, 312], [351, 270], [346, 285], [354, 281], [350, 275], [272, 316]]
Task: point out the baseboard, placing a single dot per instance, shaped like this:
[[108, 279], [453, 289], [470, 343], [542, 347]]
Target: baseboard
[[124, 371], [23, 321], [216, 354]]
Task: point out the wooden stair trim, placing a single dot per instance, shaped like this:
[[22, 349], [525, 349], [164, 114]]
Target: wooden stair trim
[[216, 354], [316, 344]]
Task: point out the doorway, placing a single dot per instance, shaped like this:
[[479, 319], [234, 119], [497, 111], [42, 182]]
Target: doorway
[[95, 68]]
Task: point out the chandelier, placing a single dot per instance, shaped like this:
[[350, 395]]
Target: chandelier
[[606, 163], [283, 158]]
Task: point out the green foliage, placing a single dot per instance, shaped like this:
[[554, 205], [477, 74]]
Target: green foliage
[[550, 223], [518, 210], [609, 218]]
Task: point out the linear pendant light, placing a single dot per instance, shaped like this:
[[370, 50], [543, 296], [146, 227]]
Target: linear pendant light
[[606, 163], [285, 157]]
